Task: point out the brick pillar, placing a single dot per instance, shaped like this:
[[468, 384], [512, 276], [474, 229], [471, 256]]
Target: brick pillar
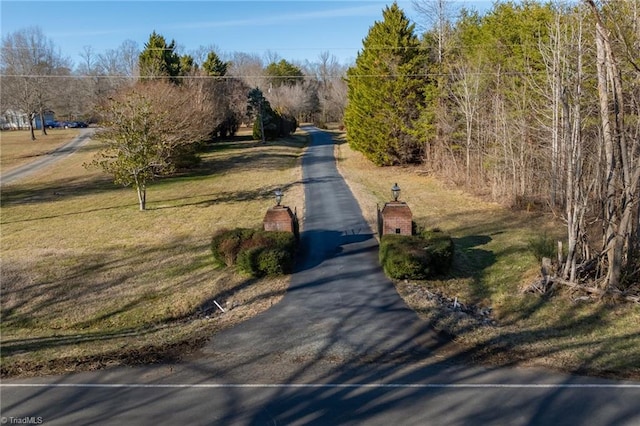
[[396, 218], [279, 218]]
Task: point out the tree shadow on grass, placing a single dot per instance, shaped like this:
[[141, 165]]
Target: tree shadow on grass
[[55, 190], [351, 379], [243, 161], [354, 373], [33, 306], [470, 261], [247, 157], [520, 343], [206, 200], [247, 142], [530, 329]]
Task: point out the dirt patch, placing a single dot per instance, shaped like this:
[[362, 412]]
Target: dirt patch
[[480, 337]]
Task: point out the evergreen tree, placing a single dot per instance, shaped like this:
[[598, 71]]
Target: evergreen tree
[[214, 66], [259, 110], [386, 92], [284, 73], [188, 65], [159, 59]]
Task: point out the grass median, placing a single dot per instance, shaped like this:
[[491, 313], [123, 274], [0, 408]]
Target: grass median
[[492, 263], [88, 280]]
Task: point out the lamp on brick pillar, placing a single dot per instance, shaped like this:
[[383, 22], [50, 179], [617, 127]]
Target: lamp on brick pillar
[[279, 217], [396, 216], [395, 191]]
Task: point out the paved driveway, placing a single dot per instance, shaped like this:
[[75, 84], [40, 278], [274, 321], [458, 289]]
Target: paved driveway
[[340, 348], [340, 305], [23, 171]]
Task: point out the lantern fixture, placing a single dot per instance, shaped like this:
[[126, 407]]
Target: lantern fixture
[[395, 191], [278, 194]]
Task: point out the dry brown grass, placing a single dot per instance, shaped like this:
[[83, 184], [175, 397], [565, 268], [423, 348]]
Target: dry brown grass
[[88, 280], [17, 148], [492, 263]]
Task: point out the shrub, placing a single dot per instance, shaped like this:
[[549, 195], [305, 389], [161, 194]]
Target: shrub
[[440, 247], [222, 247], [274, 262], [226, 245], [247, 260], [281, 240], [418, 257], [255, 252]]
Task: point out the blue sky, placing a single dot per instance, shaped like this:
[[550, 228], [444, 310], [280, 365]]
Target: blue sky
[[294, 30]]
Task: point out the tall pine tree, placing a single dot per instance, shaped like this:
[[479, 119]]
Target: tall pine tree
[[159, 59], [386, 92], [214, 66]]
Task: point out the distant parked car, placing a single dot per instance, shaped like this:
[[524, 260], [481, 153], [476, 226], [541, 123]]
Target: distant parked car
[[53, 124], [74, 124]]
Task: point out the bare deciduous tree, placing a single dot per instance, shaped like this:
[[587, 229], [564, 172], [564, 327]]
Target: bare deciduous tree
[[466, 93], [145, 126], [30, 63], [622, 159], [332, 88], [249, 68], [437, 14]]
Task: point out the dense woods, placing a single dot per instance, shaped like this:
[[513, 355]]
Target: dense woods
[[535, 105]]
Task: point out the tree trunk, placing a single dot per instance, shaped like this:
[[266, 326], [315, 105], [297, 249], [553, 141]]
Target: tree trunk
[[141, 189], [576, 196], [621, 185], [44, 127], [32, 117], [142, 198]]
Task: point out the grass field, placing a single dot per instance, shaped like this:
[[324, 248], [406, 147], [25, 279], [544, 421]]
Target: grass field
[[18, 149], [492, 264], [88, 280]]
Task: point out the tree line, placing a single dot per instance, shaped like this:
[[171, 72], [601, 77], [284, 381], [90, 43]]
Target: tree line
[[157, 108], [37, 78], [536, 105]]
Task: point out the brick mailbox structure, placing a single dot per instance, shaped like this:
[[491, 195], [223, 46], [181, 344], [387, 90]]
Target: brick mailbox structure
[[396, 218], [279, 218]]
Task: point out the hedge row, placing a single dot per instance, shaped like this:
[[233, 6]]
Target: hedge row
[[418, 257], [254, 251]]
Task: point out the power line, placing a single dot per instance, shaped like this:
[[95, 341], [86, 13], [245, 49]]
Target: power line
[[229, 77]]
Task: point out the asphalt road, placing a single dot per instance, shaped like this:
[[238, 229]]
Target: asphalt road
[[340, 348]]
